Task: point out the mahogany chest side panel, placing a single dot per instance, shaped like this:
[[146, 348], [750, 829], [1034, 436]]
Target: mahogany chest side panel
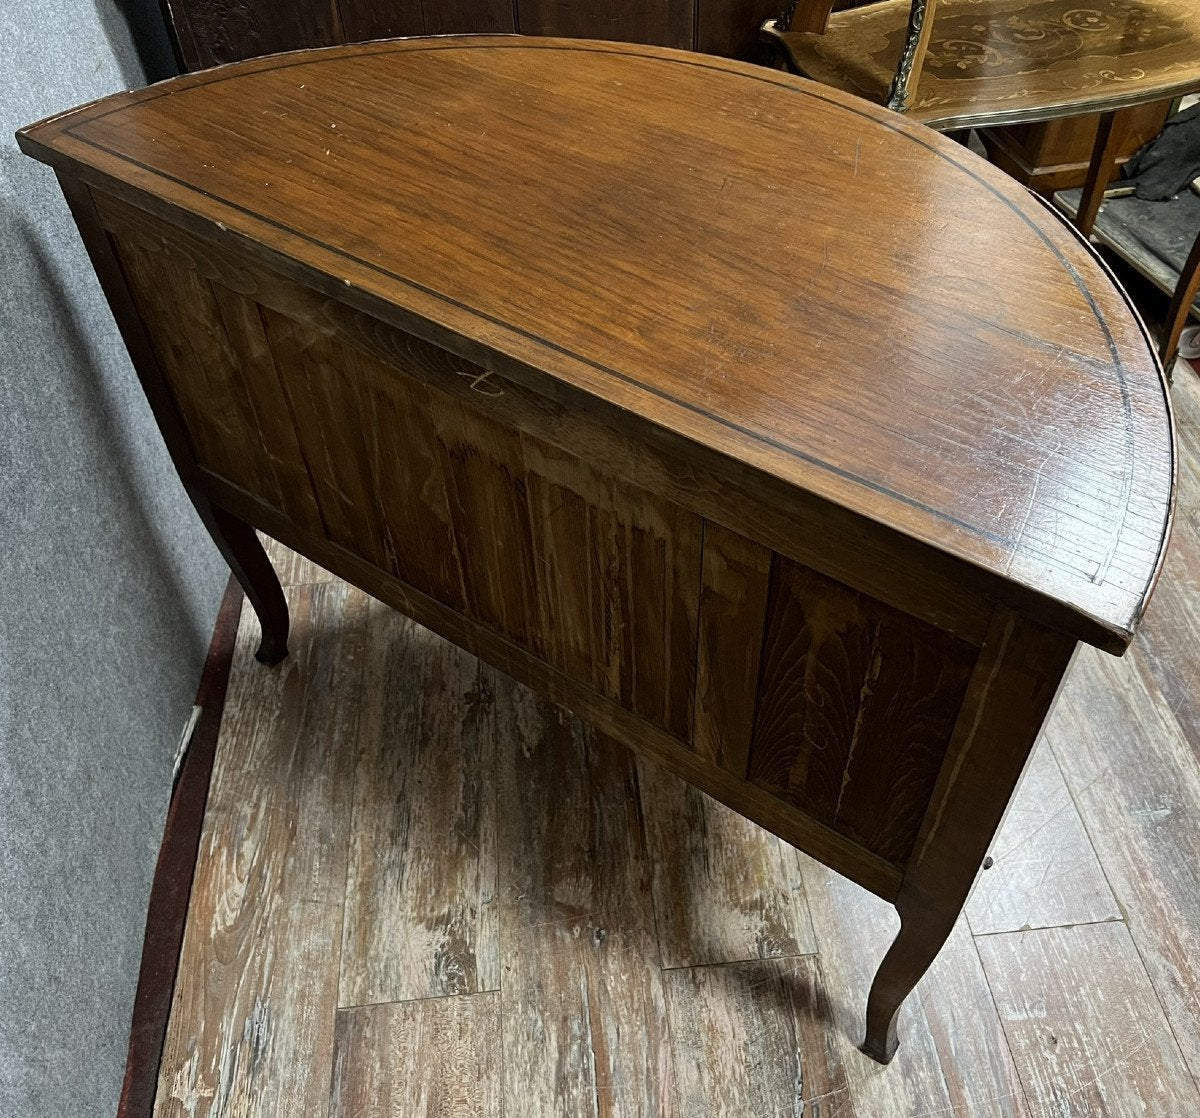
[[857, 702]]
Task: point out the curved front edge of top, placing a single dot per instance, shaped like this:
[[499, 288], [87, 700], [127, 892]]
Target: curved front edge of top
[[814, 289]]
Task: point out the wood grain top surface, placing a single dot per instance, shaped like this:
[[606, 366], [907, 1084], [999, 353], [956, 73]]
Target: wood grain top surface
[[814, 288]]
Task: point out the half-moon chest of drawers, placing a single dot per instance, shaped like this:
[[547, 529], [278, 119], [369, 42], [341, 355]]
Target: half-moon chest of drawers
[[786, 442]]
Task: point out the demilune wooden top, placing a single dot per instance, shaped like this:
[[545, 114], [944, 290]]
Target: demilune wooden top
[[814, 288]]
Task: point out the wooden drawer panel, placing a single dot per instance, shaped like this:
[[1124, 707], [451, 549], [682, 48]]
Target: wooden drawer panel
[[856, 705], [596, 576]]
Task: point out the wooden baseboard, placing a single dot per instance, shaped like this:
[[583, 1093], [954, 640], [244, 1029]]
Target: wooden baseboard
[[171, 889]]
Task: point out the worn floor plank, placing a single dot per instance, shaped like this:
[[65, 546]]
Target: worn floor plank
[[1169, 640], [1087, 1048], [952, 1057], [1137, 786], [724, 889], [420, 919], [751, 1039], [1169, 637], [581, 993], [372, 739], [437, 1058], [1045, 872], [251, 1028], [291, 567]]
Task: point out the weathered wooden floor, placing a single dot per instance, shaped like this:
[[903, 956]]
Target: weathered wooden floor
[[422, 891]]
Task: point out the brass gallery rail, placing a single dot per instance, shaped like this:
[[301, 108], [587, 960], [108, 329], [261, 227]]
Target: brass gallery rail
[[779, 437]]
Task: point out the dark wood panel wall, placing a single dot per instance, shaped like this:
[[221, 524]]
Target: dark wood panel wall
[[210, 32]]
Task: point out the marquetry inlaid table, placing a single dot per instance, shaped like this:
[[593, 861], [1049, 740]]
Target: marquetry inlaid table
[[783, 439]]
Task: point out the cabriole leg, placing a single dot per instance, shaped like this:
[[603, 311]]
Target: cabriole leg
[[1016, 679], [920, 938], [240, 546]]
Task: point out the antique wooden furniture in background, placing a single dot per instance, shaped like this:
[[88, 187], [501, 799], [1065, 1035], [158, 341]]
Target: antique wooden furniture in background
[[1158, 240], [1046, 155], [1050, 155], [528, 338], [210, 32], [982, 63], [977, 63]]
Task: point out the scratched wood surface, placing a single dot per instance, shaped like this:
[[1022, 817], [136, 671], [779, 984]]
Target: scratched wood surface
[[252, 1020], [1046, 872], [293, 569], [1085, 1046], [753, 1036], [937, 423], [723, 888], [639, 950], [423, 925], [437, 1057], [583, 1005]]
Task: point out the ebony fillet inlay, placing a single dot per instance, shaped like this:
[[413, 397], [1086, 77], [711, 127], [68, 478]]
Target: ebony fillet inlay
[[783, 439]]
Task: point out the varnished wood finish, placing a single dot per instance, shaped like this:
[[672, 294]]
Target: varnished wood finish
[[1181, 306], [924, 584], [725, 27], [398, 308], [784, 403], [992, 62], [733, 603], [852, 859], [1011, 691], [666, 23], [235, 539], [362, 20], [1109, 132], [221, 31], [856, 705]]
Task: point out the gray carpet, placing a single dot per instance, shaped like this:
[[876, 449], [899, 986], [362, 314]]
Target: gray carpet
[[108, 589]]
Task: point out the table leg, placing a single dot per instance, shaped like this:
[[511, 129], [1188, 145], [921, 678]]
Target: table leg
[[251, 566], [235, 539], [1016, 680], [922, 933]]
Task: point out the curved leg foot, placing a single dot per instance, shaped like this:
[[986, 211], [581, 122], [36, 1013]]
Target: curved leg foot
[[916, 945], [240, 546]]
